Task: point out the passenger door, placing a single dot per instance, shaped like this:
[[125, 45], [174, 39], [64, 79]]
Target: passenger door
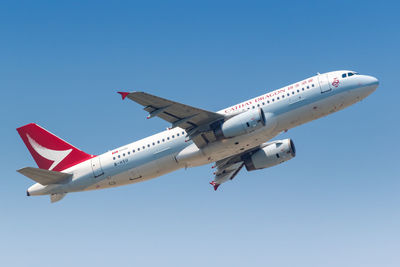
[[324, 83]]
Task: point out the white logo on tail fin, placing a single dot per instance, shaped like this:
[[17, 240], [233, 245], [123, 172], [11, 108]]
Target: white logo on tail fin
[[54, 155]]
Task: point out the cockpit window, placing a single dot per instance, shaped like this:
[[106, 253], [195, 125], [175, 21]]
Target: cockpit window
[[344, 75]]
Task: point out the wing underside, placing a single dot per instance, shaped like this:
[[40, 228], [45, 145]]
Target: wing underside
[[227, 169]]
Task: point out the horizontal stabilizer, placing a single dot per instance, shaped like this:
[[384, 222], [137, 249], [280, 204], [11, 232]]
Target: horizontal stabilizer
[[44, 177]]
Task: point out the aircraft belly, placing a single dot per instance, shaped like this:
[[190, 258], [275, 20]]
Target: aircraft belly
[[152, 169]]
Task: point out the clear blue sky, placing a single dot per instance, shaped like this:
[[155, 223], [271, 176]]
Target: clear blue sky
[[336, 204]]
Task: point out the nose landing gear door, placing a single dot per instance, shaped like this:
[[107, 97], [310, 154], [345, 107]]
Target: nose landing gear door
[[324, 83]]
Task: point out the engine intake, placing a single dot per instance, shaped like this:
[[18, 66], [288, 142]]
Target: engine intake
[[243, 123], [270, 155]]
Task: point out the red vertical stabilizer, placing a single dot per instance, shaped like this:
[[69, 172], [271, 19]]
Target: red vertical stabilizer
[[49, 151]]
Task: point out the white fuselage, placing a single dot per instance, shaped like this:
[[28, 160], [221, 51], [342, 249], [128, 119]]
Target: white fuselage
[[167, 151]]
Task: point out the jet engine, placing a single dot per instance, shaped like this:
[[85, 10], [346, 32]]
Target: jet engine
[[270, 155], [243, 123]]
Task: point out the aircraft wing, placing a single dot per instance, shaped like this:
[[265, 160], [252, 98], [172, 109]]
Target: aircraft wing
[[227, 169], [196, 122]]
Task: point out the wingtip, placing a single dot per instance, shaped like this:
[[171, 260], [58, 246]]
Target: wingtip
[[215, 185], [123, 94]]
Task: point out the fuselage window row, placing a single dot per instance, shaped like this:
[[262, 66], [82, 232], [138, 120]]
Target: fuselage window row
[[148, 145], [278, 98]]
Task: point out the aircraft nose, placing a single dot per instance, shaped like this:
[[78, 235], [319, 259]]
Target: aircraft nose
[[371, 81]]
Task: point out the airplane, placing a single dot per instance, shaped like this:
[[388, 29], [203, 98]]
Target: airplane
[[235, 137]]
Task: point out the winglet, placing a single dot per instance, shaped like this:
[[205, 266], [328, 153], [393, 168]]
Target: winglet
[[123, 94], [215, 185]]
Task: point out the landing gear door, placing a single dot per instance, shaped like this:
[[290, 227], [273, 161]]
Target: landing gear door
[[96, 167], [324, 83]]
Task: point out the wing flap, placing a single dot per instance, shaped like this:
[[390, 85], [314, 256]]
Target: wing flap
[[226, 171], [44, 177]]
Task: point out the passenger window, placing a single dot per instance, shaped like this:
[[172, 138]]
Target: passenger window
[[292, 93], [273, 99], [311, 85], [277, 98], [308, 87], [288, 94], [283, 96], [154, 144], [302, 89], [148, 145], [143, 147], [268, 102], [263, 103], [167, 138], [133, 151], [113, 158], [119, 156], [183, 133], [158, 141], [138, 149], [177, 134], [129, 152], [163, 140], [298, 91]]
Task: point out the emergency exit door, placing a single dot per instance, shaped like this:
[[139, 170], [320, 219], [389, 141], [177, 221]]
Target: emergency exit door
[[96, 167]]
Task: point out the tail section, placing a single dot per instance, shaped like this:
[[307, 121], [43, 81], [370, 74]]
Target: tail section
[[44, 177], [49, 151]]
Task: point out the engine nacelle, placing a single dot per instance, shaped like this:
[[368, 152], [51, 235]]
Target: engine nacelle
[[243, 123], [270, 155]]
